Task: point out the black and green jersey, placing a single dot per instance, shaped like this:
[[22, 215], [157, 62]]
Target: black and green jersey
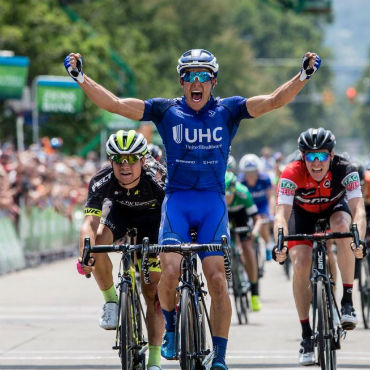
[[242, 199]]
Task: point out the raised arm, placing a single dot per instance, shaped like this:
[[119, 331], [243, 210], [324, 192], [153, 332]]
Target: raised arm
[[261, 104], [99, 95]]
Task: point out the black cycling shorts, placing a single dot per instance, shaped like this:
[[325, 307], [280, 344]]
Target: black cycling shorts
[[238, 219], [303, 222]]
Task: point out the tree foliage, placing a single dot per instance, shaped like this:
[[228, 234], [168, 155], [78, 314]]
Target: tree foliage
[[150, 36]]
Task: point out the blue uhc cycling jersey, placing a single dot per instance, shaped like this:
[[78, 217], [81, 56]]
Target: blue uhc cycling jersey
[[197, 144]]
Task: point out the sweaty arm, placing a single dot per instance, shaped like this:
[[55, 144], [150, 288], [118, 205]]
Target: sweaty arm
[[357, 207], [282, 214], [261, 104], [103, 98], [89, 229]]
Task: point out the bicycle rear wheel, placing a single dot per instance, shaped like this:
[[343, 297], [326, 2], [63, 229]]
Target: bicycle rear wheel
[[125, 332], [326, 349], [364, 285], [188, 331]]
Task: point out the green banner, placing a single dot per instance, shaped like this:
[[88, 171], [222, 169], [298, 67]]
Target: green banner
[[13, 76], [118, 122], [58, 95]]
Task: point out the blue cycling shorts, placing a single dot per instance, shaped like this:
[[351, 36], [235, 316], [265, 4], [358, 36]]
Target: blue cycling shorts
[[205, 211]]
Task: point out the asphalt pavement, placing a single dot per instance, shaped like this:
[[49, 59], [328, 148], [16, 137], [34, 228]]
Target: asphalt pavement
[[49, 320]]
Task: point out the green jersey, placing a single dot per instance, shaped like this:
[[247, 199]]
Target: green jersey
[[242, 199]]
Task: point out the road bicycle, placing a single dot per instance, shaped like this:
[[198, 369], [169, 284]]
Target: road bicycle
[[129, 340], [240, 284], [327, 329], [192, 319]]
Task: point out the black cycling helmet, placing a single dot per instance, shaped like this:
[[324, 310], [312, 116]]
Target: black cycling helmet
[[316, 138]]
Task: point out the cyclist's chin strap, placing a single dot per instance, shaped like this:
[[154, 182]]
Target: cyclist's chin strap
[[123, 185]]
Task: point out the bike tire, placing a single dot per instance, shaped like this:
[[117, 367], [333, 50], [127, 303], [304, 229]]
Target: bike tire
[[125, 335], [364, 285], [188, 331], [240, 295], [139, 359], [326, 350]]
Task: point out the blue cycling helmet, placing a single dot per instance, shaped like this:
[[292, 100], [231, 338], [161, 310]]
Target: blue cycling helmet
[[197, 58]]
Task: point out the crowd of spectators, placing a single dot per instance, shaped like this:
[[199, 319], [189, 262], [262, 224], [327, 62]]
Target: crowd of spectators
[[42, 177]]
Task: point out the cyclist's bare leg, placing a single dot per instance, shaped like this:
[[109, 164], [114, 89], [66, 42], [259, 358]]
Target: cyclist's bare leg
[[220, 312], [301, 256], [170, 266], [250, 261], [103, 264], [340, 222], [154, 316]]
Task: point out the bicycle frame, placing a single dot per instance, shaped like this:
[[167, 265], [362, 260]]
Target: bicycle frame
[[328, 328], [127, 286], [320, 272], [191, 288], [190, 279]]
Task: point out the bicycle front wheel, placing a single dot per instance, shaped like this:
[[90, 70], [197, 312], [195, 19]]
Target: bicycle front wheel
[[326, 349], [125, 332], [364, 285], [239, 291], [188, 331]]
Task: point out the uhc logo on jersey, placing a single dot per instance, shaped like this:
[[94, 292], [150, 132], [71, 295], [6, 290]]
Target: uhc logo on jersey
[[351, 181], [194, 135], [287, 187]]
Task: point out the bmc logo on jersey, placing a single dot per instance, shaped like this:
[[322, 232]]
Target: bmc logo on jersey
[[196, 134]]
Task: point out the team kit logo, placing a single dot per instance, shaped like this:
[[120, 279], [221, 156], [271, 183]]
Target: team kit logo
[[351, 181], [287, 187], [196, 135]]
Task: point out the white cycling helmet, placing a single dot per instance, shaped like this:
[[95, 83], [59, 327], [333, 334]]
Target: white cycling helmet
[[249, 163], [197, 58], [126, 142]]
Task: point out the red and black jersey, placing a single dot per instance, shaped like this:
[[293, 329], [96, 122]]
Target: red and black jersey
[[298, 188]]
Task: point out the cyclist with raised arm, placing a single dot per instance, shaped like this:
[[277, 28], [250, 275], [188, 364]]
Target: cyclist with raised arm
[[242, 210], [260, 186], [126, 194], [319, 185], [196, 130]]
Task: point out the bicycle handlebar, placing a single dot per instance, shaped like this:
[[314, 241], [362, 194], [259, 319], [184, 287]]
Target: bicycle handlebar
[[319, 236], [86, 257], [184, 248]]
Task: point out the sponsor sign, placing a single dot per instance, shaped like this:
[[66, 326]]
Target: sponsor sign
[[13, 76], [56, 94]]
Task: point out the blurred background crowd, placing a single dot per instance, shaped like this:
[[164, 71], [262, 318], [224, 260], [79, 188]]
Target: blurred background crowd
[[43, 177]]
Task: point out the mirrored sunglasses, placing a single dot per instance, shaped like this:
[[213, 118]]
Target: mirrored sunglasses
[[321, 156], [128, 158], [201, 76]]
